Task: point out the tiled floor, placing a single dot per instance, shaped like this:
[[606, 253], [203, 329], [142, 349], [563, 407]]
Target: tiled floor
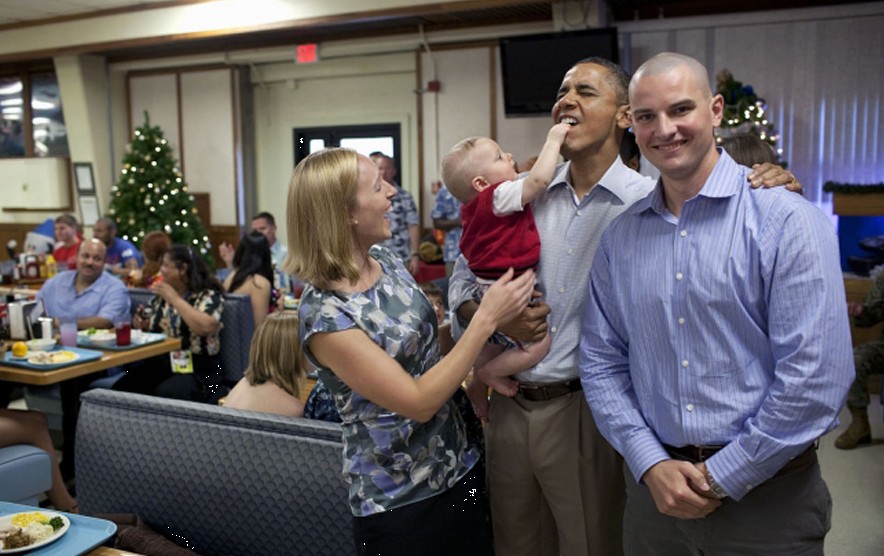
[[856, 481]]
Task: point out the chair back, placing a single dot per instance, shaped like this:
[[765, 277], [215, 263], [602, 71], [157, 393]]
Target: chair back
[[237, 329]]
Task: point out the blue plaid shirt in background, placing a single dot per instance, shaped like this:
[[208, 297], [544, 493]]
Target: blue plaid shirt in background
[[403, 215], [448, 208]]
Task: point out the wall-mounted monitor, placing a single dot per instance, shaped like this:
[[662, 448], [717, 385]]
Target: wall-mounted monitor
[[532, 66]]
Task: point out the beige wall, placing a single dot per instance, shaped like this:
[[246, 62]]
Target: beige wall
[[358, 90]]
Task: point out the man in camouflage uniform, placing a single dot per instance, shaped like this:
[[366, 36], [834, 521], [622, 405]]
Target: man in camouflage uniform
[[868, 359]]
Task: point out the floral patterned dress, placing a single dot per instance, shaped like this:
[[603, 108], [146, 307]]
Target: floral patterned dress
[[389, 460]]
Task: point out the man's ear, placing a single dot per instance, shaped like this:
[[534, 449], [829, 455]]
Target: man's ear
[[623, 117], [479, 183], [717, 110]]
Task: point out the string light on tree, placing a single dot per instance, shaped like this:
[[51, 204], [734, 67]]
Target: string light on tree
[[744, 113], [150, 173]]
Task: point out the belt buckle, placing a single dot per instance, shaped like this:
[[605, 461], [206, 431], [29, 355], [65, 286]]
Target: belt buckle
[[706, 452]]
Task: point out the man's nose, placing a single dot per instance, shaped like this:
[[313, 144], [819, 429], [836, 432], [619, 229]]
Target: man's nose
[[666, 126]]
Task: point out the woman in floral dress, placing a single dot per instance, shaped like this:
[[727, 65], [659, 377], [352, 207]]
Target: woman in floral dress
[[372, 334]]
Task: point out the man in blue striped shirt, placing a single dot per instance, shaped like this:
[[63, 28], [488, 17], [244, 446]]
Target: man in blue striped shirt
[[715, 348]]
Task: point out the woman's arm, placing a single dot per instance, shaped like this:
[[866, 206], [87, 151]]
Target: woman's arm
[[366, 368], [200, 323]]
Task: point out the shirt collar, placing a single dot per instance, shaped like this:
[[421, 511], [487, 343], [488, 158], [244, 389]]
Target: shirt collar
[[726, 179], [615, 179]]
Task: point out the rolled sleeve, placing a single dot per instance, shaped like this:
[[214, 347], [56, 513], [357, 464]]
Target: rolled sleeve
[[462, 287]]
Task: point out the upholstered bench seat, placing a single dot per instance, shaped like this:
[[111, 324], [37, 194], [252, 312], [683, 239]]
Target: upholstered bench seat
[[25, 474]]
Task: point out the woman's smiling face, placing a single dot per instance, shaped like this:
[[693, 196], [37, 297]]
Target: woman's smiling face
[[369, 218]]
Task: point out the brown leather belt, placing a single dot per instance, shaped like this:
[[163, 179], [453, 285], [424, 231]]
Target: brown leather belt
[[546, 392]]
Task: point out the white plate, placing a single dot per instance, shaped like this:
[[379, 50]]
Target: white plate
[[51, 353], [7, 520]]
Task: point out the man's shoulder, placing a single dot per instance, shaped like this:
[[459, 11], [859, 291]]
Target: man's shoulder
[[60, 280], [109, 282]]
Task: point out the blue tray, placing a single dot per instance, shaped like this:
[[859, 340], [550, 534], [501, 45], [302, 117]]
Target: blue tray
[[84, 355], [146, 339], [84, 534]]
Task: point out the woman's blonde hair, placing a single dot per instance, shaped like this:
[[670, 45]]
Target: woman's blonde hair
[[275, 354], [322, 194]]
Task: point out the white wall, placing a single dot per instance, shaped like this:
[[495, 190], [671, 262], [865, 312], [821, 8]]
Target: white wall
[[359, 90]]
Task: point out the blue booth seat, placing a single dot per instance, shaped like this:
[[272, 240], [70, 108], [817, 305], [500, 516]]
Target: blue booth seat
[[25, 474]]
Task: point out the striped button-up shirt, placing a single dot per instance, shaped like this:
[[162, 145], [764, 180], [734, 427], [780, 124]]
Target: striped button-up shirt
[[724, 326], [570, 229]]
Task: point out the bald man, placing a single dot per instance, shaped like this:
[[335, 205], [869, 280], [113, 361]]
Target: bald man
[[94, 298], [715, 348]]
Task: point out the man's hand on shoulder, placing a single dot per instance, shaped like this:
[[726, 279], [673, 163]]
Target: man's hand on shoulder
[[771, 175], [674, 486]]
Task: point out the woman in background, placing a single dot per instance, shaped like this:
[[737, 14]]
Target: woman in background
[[252, 275], [272, 382], [187, 305], [153, 247], [372, 334]]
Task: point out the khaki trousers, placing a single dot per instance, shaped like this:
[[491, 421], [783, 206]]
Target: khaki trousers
[[556, 485]]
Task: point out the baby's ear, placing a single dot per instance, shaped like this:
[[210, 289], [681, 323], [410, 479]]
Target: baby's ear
[[479, 183]]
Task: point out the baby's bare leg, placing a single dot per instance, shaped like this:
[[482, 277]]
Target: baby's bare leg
[[477, 390], [497, 372]]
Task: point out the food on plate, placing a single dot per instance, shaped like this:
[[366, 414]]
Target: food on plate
[[16, 539], [51, 357], [93, 331], [19, 349], [29, 528]]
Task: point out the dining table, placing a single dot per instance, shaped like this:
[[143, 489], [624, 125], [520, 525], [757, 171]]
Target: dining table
[[109, 358]]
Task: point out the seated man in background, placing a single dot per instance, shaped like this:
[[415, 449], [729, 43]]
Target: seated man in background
[[122, 255], [96, 300], [67, 242]]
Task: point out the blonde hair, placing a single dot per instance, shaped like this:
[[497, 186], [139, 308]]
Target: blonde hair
[[322, 194], [458, 169], [275, 353]]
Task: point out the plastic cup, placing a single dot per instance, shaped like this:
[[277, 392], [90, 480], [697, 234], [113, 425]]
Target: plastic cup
[[68, 329], [124, 333]]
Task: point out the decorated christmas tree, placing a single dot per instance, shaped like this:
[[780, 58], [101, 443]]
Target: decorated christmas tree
[[151, 194], [745, 112]]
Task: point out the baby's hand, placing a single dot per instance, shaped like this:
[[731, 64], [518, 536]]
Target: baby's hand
[[557, 133]]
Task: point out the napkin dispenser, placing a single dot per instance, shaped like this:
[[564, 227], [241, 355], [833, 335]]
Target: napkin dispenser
[[20, 319]]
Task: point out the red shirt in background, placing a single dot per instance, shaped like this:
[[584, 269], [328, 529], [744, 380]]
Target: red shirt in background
[[66, 257]]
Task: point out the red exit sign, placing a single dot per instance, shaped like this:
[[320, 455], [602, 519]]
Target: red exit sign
[[307, 53]]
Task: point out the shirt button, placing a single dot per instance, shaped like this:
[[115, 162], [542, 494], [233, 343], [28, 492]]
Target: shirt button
[[689, 407], [561, 290], [578, 213], [553, 330], [683, 233], [684, 363], [679, 275], [680, 320], [570, 251], [748, 487]]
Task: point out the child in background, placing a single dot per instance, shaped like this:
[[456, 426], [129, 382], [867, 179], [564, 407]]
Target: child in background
[[499, 233], [434, 294], [272, 382]]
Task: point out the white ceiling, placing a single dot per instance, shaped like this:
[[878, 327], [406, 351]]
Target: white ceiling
[[16, 11]]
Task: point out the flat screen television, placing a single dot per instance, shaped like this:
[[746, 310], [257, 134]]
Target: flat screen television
[[532, 66]]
